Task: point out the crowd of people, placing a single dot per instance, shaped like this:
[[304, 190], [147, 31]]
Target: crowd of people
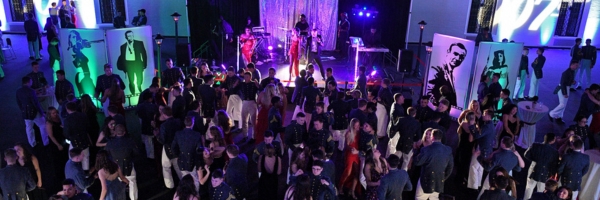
[[189, 124]]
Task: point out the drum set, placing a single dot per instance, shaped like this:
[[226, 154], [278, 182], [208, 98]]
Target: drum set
[[261, 46]]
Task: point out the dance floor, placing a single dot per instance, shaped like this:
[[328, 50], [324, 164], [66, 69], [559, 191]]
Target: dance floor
[[12, 126]]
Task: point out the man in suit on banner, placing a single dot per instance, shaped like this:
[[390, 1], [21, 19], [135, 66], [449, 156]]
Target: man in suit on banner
[[133, 60], [444, 75]]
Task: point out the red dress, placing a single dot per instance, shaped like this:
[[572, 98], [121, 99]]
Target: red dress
[[247, 48], [348, 174], [262, 123], [294, 57]]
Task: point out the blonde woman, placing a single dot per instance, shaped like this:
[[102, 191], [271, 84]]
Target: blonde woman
[[350, 174], [473, 107], [264, 103]]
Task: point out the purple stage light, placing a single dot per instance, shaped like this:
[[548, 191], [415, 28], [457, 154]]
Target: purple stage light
[[368, 14], [373, 72], [360, 13], [270, 48]]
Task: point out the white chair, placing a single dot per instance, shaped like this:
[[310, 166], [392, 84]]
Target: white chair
[[9, 49]]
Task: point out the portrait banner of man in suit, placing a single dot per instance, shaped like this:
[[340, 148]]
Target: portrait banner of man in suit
[[130, 50], [449, 71]]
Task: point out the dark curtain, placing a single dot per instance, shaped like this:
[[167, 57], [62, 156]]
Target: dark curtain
[[391, 22], [203, 16]]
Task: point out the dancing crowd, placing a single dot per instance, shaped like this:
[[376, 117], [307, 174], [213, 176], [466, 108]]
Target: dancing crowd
[[193, 124]]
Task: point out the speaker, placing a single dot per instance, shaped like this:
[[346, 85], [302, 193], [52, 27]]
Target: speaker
[[405, 62], [184, 54]]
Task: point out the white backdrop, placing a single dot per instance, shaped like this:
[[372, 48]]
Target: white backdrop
[[450, 51]]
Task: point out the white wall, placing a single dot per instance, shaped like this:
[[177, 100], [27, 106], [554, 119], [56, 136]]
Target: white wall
[[158, 13], [447, 17]]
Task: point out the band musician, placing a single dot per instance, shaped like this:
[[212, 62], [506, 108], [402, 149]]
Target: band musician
[[247, 40], [372, 39]]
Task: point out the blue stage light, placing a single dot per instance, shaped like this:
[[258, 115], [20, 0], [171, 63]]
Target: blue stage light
[[360, 13], [365, 8]]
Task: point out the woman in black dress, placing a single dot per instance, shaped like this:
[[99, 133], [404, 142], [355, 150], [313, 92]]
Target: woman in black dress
[[30, 161], [510, 122], [375, 168], [59, 148], [464, 151], [270, 168]]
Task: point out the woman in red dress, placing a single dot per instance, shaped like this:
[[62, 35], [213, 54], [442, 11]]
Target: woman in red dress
[[349, 178], [262, 119], [247, 40], [294, 52]]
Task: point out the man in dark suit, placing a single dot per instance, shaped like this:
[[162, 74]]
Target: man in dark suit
[[270, 79], [485, 136], [385, 94], [424, 112], [141, 19], [199, 125], [396, 112], [172, 74], [184, 146], [63, 87], [15, 181], [64, 12], [329, 75], [544, 161], [300, 83], [179, 104], [37, 77], [548, 193], [119, 21], [361, 82], [260, 149], [31, 111], [146, 112], [498, 193], [320, 184], [295, 134], [321, 138], [359, 113], [236, 171], [188, 93], [77, 130], [394, 182], [537, 66], [495, 89], [444, 75], [166, 136], [313, 50], [566, 80], [573, 166], [309, 97], [104, 82], [133, 60], [32, 30], [69, 191], [123, 151], [410, 132], [506, 157], [208, 97], [436, 163]]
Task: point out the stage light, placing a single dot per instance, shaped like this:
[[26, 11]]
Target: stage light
[[365, 8], [270, 48], [422, 24], [360, 13], [279, 46], [368, 14], [373, 72]]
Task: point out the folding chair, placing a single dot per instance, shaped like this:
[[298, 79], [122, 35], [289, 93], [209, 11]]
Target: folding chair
[[8, 48]]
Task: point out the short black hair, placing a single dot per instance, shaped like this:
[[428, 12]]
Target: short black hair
[[61, 72], [218, 173], [496, 75], [310, 81], [233, 149], [506, 91], [25, 79], [193, 70], [300, 114], [195, 105], [501, 182], [231, 69], [574, 62], [319, 154], [578, 39], [106, 66], [187, 81], [72, 106], [68, 181], [437, 134], [362, 69], [541, 49], [507, 141], [549, 137], [275, 100], [268, 133], [250, 65], [318, 163], [329, 69], [188, 121], [393, 160], [74, 152]]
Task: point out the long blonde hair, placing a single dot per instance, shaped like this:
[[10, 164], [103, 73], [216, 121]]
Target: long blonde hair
[[266, 95], [351, 133]]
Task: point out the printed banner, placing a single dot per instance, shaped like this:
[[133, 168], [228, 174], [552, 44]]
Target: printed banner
[[131, 55], [83, 57], [449, 71], [496, 57]]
